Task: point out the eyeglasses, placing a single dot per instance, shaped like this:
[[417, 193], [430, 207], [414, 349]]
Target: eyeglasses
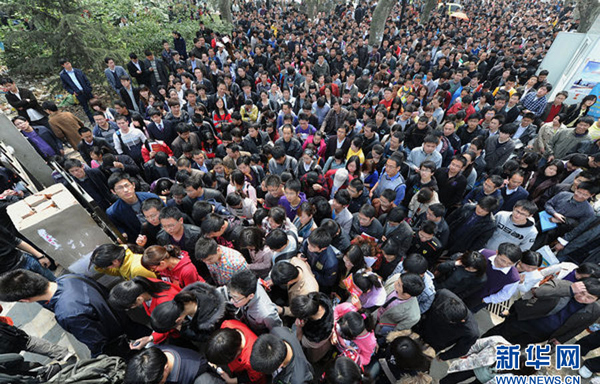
[[169, 226], [236, 300], [124, 187]]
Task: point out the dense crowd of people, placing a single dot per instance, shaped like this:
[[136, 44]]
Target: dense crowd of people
[[298, 207]]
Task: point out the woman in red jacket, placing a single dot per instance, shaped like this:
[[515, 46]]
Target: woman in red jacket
[[221, 114], [172, 264], [146, 292]]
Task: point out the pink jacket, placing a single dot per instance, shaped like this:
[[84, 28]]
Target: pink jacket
[[360, 349]]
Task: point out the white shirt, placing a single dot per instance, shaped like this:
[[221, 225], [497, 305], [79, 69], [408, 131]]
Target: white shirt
[[131, 138], [74, 78], [32, 113]]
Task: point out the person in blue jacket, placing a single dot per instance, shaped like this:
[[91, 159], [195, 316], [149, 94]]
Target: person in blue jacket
[[126, 212], [322, 258], [79, 305]]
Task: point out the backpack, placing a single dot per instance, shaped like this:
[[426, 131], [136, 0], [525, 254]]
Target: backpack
[[100, 370], [12, 339]]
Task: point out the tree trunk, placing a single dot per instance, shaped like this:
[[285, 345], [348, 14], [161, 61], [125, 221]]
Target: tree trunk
[[588, 13], [380, 14], [311, 8], [225, 11], [429, 6]]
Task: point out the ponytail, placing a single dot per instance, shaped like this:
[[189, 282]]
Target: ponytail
[[366, 280], [123, 295], [154, 254], [305, 306], [173, 250], [151, 287], [353, 324]]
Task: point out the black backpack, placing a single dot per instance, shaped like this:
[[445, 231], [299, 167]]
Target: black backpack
[[100, 370]]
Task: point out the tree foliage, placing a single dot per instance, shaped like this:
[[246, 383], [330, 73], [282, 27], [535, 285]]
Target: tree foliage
[[85, 31]]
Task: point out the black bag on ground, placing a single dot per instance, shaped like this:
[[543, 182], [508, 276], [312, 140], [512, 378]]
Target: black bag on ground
[[101, 370]]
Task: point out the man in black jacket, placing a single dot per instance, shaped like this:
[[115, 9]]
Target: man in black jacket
[[255, 140], [175, 232], [472, 225], [88, 141], [138, 70], [24, 101], [80, 306], [448, 323], [559, 311], [160, 129], [159, 74], [130, 94], [92, 180], [339, 140]]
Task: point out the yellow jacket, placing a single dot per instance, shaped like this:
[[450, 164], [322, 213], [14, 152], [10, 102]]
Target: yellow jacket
[[131, 267], [249, 117], [360, 154]]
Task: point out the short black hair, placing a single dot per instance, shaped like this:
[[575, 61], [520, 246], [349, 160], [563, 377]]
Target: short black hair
[[428, 227], [243, 282], [50, 106], [305, 306], [283, 272], [278, 215], [205, 247], [357, 184], [20, 284], [278, 152], [105, 254], [452, 311], [170, 213], [488, 203], [527, 205], [320, 238], [532, 258], [200, 210], [273, 181], [415, 263], [412, 284], [342, 196], [438, 209], [368, 210], [148, 366], [589, 186], [72, 163], [276, 239], [268, 353], [497, 180], [592, 286], [118, 176], [223, 346], [509, 129], [293, 185], [212, 223], [510, 250]]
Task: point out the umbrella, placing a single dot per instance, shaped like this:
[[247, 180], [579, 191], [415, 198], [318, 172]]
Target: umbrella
[[460, 15]]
